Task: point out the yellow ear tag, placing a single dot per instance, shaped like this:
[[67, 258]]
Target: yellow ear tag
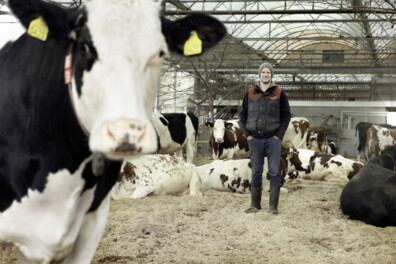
[[38, 29], [290, 155], [193, 45]]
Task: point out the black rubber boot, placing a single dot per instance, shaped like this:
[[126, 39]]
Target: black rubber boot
[[255, 190], [274, 199]]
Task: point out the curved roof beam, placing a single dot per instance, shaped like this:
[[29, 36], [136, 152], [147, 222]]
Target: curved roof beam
[[358, 5]]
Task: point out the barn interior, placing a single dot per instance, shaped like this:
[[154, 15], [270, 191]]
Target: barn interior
[[335, 60]]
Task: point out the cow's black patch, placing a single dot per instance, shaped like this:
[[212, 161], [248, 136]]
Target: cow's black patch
[[176, 33], [194, 121], [103, 184], [85, 55], [177, 126], [164, 121]]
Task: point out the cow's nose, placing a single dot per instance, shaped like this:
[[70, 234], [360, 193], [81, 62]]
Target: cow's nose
[[126, 136], [219, 140]]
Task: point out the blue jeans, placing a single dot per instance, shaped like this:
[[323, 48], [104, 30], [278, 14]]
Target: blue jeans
[[270, 148]]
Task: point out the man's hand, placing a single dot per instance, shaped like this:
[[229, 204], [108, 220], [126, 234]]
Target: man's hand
[[249, 137], [276, 137]]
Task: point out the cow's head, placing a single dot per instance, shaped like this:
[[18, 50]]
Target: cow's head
[[117, 49], [312, 140], [219, 128], [388, 157], [293, 162]]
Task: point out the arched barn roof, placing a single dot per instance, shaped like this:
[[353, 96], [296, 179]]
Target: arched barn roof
[[325, 40]]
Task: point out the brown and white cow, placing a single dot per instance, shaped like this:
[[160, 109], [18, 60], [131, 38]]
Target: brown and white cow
[[297, 132], [156, 175], [233, 175], [378, 138], [312, 165], [317, 139], [361, 134], [227, 140]]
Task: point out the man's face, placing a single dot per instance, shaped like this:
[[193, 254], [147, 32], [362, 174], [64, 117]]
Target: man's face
[[265, 75]]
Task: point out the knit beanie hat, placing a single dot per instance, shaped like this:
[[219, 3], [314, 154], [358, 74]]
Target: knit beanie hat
[[266, 65]]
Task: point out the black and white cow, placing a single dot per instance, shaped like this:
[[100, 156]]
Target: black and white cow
[[80, 81], [176, 131], [370, 196]]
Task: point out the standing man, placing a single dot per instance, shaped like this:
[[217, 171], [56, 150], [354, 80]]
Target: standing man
[[264, 117]]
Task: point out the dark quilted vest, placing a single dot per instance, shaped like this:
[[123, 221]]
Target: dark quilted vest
[[264, 111]]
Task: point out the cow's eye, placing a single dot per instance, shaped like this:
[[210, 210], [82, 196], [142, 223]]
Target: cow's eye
[[160, 56], [88, 55], [157, 58]]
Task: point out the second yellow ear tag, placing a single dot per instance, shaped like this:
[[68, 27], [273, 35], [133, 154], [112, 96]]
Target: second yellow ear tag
[[193, 45], [38, 29]]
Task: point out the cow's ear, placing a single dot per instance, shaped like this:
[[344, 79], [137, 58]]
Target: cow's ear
[[40, 18], [228, 125], [192, 34], [209, 124]]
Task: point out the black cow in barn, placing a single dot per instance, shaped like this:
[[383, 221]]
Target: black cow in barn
[[76, 94], [362, 128], [370, 196]]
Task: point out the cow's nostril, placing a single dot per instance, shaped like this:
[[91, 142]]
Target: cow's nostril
[[126, 147]]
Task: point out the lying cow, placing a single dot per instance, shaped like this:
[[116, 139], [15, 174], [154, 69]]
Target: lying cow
[[312, 165], [378, 138], [78, 82], [156, 175], [233, 175], [317, 139], [370, 196], [176, 131], [297, 132], [227, 140]]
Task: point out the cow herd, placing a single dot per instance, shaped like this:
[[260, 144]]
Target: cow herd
[[76, 99]]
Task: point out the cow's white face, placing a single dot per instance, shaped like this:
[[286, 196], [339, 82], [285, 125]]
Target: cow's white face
[[313, 141], [219, 130], [118, 93]]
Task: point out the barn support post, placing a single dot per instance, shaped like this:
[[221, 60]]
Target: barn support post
[[174, 89]]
